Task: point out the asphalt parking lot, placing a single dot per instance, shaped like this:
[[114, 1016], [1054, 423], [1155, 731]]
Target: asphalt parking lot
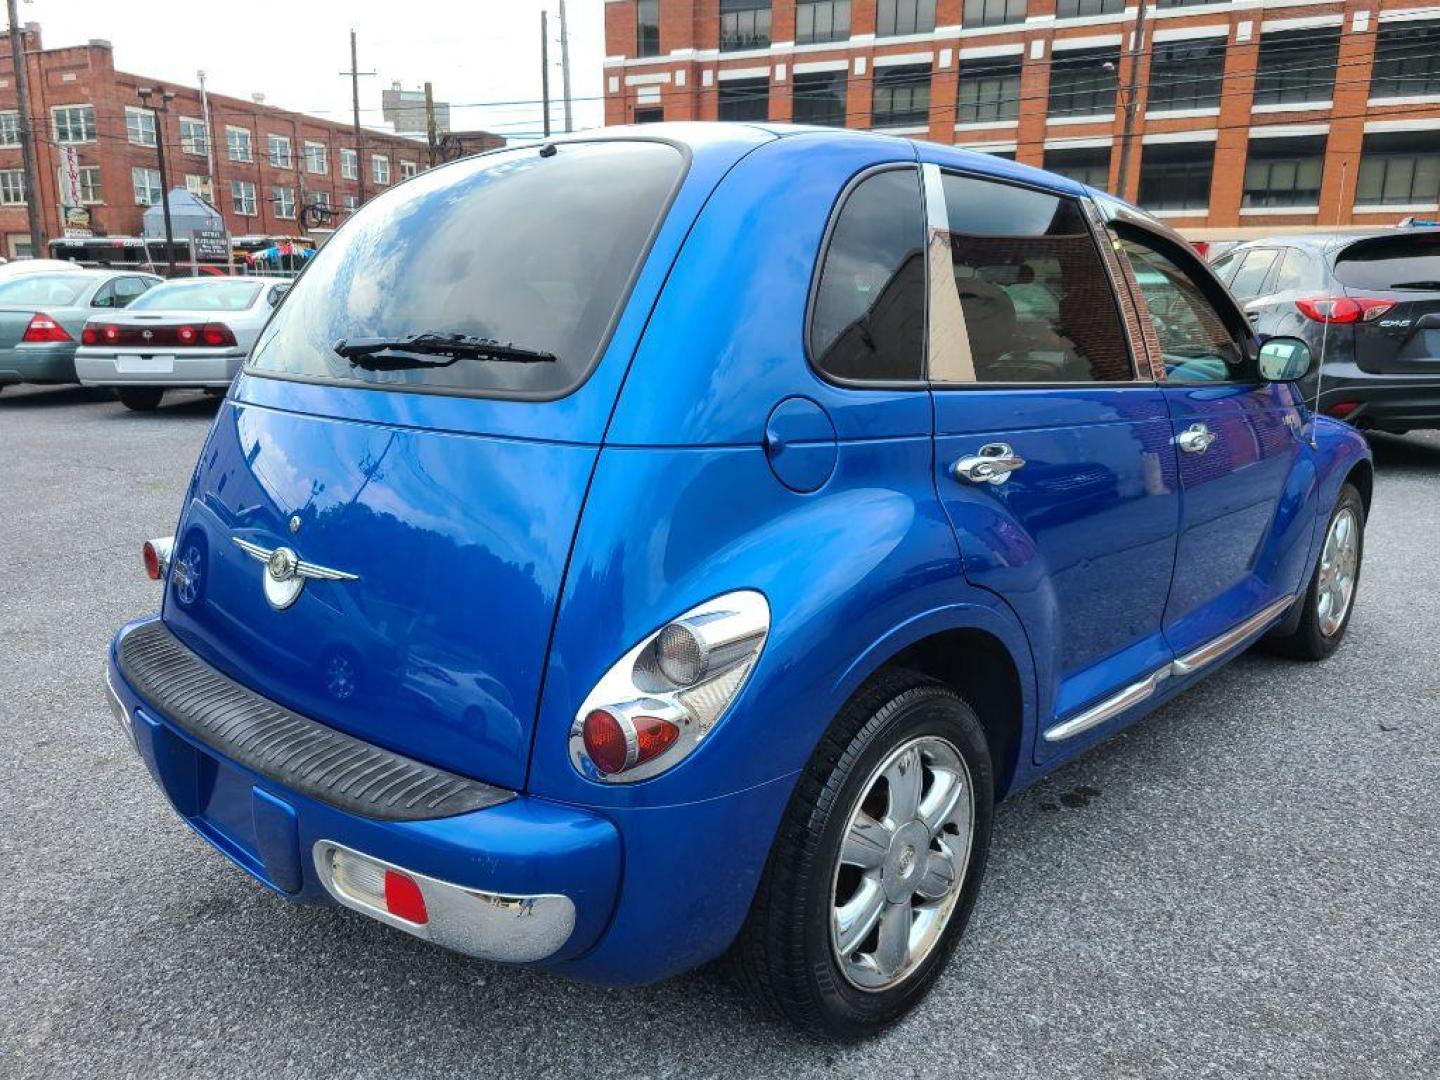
[[1247, 884]]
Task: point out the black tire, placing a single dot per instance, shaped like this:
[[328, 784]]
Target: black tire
[[1308, 640], [140, 398], [784, 953]]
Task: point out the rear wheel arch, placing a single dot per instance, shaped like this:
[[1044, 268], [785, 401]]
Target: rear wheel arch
[[1362, 477]]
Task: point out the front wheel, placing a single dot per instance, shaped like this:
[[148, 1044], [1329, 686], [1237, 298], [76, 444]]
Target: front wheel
[[1330, 598], [877, 863], [140, 399]]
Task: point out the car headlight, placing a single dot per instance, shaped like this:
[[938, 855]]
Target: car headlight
[[660, 700]]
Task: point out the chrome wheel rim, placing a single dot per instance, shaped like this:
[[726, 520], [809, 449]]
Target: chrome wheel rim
[[902, 863], [1339, 563]]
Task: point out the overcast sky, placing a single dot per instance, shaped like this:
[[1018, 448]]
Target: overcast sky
[[477, 53]]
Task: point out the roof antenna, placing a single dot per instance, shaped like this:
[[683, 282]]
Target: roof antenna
[[1325, 326]]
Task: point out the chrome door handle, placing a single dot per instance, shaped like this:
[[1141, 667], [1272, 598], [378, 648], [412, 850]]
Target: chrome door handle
[[1196, 439], [992, 465]]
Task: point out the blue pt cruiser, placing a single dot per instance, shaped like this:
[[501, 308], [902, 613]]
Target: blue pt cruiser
[[645, 546]]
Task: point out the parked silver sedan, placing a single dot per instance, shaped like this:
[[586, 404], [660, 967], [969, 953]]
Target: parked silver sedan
[[43, 315], [192, 333]]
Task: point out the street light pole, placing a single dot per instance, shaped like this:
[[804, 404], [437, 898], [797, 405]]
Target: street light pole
[[158, 112], [27, 137]]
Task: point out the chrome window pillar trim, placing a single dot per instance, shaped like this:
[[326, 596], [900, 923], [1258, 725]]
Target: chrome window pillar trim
[[949, 360], [1212, 650]]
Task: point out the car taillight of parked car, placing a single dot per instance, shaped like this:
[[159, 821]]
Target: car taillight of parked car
[[212, 335], [43, 329], [1342, 309]]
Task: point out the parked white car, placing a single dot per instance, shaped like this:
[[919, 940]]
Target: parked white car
[[190, 333]]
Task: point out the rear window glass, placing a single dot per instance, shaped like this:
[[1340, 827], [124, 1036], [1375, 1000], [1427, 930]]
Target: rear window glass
[[199, 296], [1391, 262], [526, 249], [1250, 278], [57, 289]]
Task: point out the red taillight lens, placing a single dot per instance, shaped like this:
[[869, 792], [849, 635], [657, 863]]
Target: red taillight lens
[[653, 737], [1342, 309], [89, 336], [152, 561], [185, 335], [605, 742], [43, 328], [403, 898], [216, 334], [111, 334], [1342, 409], [608, 740]]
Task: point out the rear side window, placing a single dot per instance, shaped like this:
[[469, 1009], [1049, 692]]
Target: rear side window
[[1249, 280], [530, 248], [1391, 262], [1036, 300], [1298, 272], [868, 322]]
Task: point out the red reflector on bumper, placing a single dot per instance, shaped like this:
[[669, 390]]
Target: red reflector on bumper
[[403, 898]]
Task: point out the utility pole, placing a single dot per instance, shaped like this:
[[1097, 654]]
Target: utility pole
[[144, 93], [1137, 48], [209, 138], [544, 66], [355, 101], [27, 137], [430, 133], [565, 64]]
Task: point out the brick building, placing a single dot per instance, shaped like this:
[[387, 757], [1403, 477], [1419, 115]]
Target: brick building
[[267, 162], [1250, 117]]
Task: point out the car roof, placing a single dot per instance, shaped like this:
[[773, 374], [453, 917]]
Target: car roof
[[1319, 242]]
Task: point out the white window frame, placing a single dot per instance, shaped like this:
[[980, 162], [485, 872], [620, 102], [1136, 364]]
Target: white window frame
[[317, 152], [349, 202], [188, 144], [377, 174], [233, 147], [203, 189], [275, 141], [12, 187], [408, 169], [318, 198], [136, 172], [282, 197], [87, 129], [139, 126], [349, 164], [242, 198], [90, 193], [10, 127]]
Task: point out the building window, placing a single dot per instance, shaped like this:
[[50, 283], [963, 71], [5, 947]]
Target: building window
[[989, 92], [1077, 9], [146, 183], [351, 203], [1297, 66], [200, 187], [820, 98], [647, 33], [12, 187], [90, 185], [238, 144], [745, 99], [139, 126], [278, 147], [744, 24], [902, 96], [1186, 74], [284, 199], [9, 128], [379, 169], [1399, 168], [1089, 165], [194, 137], [1185, 3], [1284, 172], [318, 198], [650, 116], [74, 123], [317, 161], [1407, 60], [1176, 176], [822, 20], [894, 17], [1083, 83], [993, 12], [408, 169], [242, 197], [349, 165]]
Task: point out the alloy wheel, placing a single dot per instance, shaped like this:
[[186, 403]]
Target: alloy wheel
[[1339, 562]]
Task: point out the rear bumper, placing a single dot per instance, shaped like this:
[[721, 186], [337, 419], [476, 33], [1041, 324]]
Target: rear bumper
[[1386, 403], [37, 364], [196, 368], [520, 881]]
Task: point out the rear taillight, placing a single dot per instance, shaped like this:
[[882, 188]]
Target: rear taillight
[[1341, 409], [211, 335], [1342, 309], [216, 334], [43, 329], [621, 738], [156, 556]]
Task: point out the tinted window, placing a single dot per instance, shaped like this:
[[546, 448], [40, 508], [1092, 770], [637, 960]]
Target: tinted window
[[59, 289], [199, 295], [1224, 265], [1249, 280], [533, 250], [1034, 293], [869, 317], [130, 289], [1297, 272], [1391, 262], [1197, 343]]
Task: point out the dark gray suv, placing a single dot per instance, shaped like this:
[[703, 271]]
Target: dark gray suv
[[1368, 303]]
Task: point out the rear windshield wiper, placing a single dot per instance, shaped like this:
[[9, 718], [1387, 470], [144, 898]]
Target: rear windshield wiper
[[409, 351]]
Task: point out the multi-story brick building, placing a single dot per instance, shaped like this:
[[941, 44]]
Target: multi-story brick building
[[264, 163], [1250, 116]]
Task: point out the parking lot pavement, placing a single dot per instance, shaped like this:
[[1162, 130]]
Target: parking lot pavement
[[1246, 884]]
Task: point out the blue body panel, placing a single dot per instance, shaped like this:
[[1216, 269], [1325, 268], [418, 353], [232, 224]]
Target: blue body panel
[[509, 552]]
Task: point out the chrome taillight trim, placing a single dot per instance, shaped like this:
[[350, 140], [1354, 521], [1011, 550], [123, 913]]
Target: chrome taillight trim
[[164, 547]]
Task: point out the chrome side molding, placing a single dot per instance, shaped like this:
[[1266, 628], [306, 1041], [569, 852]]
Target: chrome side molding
[[1188, 664]]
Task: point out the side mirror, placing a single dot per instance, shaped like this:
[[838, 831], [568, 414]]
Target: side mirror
[[1284, 359]]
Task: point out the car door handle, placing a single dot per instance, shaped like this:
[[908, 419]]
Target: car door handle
[[1196, 439], [992, 465]]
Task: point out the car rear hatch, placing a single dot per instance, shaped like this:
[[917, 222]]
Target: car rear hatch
[[1396, 278], [431, 497]]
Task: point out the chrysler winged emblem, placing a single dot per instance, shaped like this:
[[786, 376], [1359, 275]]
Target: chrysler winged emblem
[[286, 573]]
